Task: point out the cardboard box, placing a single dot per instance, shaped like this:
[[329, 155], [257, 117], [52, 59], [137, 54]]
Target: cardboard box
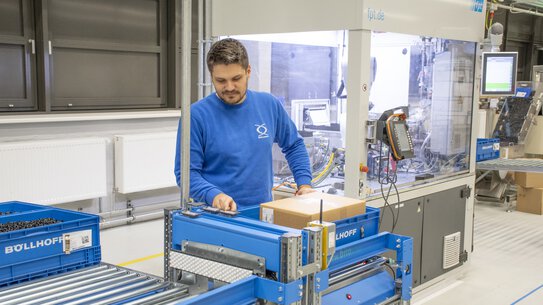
[[530, 200], [296, 212], [529, 180]]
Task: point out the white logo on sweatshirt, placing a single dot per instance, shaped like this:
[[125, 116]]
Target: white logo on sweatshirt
[[262, 131]]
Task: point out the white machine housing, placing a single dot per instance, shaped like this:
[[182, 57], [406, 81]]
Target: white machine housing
[[457, 20]]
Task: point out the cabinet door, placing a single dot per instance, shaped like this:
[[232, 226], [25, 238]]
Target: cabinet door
[[444, 215], [17, 56], [409, 224]]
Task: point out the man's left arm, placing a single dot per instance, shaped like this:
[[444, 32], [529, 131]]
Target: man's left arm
[[293, 147]]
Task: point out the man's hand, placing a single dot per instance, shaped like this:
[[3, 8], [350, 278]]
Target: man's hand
[[304, 189], [224, 202]]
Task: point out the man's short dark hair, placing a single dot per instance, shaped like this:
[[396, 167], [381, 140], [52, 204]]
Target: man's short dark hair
[[227, 51]]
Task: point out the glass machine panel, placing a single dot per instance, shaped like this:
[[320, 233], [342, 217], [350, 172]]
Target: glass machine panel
[[303, 71], [432, 77]]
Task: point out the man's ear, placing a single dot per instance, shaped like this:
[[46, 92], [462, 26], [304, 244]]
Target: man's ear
[[249, 70]]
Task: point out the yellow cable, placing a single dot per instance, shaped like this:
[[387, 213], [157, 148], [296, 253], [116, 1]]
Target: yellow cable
[[325, 169], [294, 186]]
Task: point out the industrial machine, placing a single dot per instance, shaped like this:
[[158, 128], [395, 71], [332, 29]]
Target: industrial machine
[[518, 133], [431, 77], [362, 58]]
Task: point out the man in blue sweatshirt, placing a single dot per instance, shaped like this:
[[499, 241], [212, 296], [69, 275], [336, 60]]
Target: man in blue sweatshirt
[[232, 133]]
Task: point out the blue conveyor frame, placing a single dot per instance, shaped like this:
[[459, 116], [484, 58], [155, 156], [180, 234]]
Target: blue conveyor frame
[[263, 239]]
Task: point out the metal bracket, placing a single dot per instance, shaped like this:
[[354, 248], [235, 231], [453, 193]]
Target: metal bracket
[[310, 269], [371, 131], [229, 213], [465, 192], [291, 257], [464, 256], [279, 293], [207, 268], [190, 214], [130, 207], [321, 281], [168, 273], [226, 256], [196, 204], [211, 209], [314, 259]]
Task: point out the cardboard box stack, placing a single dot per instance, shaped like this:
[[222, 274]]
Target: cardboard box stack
[[296, 212], [529, 192]]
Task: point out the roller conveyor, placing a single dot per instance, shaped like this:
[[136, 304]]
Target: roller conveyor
[[102, 284], [251, 262]]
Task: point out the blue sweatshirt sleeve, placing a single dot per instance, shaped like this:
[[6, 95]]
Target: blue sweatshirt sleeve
[[177, 166], [293, 147], [200, 189]]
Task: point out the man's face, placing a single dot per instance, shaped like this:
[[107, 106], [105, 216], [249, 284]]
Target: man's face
[[231, 82]]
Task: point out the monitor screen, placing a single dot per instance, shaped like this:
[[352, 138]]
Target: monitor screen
[[499, 73], [320, 117], [401, 133]]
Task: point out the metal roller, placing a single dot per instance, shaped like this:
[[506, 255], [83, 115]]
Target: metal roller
[[65, 286], [347, 273], [98, 285], [68, 294], [131, 283], [54, 281], [129, 295], [167, 295]]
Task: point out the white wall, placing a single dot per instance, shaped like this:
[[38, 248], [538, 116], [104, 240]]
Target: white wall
[[52, 126]]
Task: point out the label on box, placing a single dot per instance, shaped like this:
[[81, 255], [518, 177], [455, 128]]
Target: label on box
[[76, 240], [267, 215], [496, 146], [331, 240]]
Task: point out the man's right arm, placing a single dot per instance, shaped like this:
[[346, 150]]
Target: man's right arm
[[200, 189]]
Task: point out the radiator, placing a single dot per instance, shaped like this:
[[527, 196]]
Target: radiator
[[53, 171], [144, 161]]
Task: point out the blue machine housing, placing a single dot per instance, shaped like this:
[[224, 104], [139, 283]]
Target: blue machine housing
[[239, 233], [357, 240]]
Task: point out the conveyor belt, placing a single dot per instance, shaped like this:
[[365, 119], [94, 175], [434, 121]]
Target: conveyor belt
[[101, 284], [517, 165]]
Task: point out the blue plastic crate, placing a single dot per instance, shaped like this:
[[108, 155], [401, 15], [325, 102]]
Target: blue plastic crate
[[49, 249], [357, 227], [487, 149], [51, 265], [15, 207]]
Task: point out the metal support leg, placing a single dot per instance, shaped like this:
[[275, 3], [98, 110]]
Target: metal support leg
[[170, 274], [291, 259], [314, 256]]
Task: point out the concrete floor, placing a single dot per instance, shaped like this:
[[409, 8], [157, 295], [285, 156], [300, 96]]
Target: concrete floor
[[505, 268]]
